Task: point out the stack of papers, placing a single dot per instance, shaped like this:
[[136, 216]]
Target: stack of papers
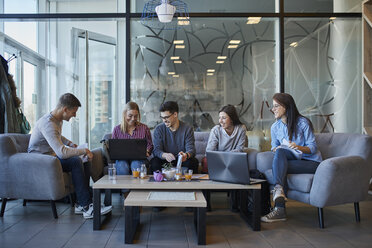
[[171, 196]]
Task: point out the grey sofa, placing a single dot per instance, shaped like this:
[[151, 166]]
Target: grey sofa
[[342, 177], [34, 176]]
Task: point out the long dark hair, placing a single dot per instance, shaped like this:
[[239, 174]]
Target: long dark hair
[[291, 111], [231, 112]]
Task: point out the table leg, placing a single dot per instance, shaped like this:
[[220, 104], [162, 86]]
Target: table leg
[[96, 209], [132, 219], [201, 225], [254, 218]]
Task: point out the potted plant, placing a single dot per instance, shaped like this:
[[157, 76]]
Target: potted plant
[[169, 171]]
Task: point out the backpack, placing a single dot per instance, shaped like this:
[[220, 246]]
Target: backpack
[[265, 193]]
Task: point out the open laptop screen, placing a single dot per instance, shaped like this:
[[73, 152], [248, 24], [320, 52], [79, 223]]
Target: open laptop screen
[[125, 149]]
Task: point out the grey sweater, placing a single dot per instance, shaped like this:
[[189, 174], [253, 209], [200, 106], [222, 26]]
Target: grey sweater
[[219, 140], [173, 142], [46, 138]]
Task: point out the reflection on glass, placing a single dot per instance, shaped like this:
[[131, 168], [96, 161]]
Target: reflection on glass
[[323, 72], [247, 78]]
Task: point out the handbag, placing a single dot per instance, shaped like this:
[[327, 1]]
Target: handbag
[[23, 122]]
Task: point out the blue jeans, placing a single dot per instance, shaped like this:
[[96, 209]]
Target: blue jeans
[[123, 167], [285, 163], [75, 166]]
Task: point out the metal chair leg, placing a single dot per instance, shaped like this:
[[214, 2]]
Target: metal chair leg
[[321, 219], [357, 212], [3, 204], [24, 202], [54, 209]]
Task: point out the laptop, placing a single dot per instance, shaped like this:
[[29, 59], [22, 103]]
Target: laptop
[[229, 167], [127, 149]]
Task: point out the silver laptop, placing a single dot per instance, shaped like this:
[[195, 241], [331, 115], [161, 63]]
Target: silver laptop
[[230, 167], [127, 149]]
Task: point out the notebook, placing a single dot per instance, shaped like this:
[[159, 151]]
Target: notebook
[[127, 149], [230, 167]]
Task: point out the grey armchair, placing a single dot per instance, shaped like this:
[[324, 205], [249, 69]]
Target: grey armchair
[[342, 177], [30, 176]]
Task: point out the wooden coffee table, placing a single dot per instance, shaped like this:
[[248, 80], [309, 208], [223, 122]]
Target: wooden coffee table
[[128, 182]]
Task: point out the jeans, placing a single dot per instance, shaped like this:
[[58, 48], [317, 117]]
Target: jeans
[[123, 166], [285, 163], [75, 166]]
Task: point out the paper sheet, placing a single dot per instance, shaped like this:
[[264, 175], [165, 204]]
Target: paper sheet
[[171, 196]]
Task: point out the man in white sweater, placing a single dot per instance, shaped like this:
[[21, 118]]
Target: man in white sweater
[[46, 138]]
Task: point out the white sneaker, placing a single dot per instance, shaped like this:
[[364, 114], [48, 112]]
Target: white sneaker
[[278, 192], [88, 213], [80, 209]]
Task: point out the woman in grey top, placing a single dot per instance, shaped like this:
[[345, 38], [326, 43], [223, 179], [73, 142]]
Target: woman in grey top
[[230, 134]]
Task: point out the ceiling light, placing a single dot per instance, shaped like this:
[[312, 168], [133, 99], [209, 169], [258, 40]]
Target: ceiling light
[[221, 57], [211, 70], [220, 62], [293, 44], [178, 42], [176, 76], [171, 73], [232, 46], [180, 46], [209, 74], [165, 11], [234, 41], [253, 20], [178, 62], [183, 21], [332, 18], [175, 57]]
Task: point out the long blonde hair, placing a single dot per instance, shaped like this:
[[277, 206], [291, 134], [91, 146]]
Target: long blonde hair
[[128, 106]]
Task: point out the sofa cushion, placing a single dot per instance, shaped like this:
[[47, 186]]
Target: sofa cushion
[[298, 182]]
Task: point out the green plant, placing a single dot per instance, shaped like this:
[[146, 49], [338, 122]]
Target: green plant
[[167, 166]]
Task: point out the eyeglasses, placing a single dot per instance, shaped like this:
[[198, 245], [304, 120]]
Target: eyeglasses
[[166, 117]]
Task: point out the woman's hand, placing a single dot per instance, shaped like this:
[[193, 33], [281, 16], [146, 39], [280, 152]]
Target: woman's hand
[[292, 145], [184, 156]]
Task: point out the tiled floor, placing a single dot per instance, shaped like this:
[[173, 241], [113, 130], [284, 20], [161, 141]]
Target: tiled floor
[[34, 226]]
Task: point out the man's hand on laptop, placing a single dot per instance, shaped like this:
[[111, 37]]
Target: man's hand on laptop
[[184, 156], [168, 156], [89, 154]]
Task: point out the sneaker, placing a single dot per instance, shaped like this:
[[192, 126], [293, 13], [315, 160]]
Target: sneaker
[[278, 192], [88, 211], [80, 209], [278, 214]]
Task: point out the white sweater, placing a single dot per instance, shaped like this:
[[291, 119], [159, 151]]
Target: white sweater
[[219, 140], [46, 138]]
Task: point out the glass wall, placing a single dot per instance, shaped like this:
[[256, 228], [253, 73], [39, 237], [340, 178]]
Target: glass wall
[[214, 60], [208, 64], [323, 71]]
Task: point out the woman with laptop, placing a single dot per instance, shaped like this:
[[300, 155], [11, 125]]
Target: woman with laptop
[[230, 134], [131, 128], [294, 147]]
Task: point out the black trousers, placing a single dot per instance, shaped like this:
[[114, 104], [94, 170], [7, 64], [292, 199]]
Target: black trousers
[[190, 164]]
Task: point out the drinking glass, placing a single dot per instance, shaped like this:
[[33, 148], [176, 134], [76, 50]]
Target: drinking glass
[[136, 172], [111, 171], [188, 175]]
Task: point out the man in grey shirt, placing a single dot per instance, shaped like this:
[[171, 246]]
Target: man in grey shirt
[[172, 138], [46, 138]]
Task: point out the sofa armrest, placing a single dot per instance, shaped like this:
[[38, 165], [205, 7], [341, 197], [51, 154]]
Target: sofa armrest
[[340, 180], [32, 176], [264, 161], [252, 155], [97, 163]]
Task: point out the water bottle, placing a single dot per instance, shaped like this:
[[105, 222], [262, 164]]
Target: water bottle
[[143, 171]]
